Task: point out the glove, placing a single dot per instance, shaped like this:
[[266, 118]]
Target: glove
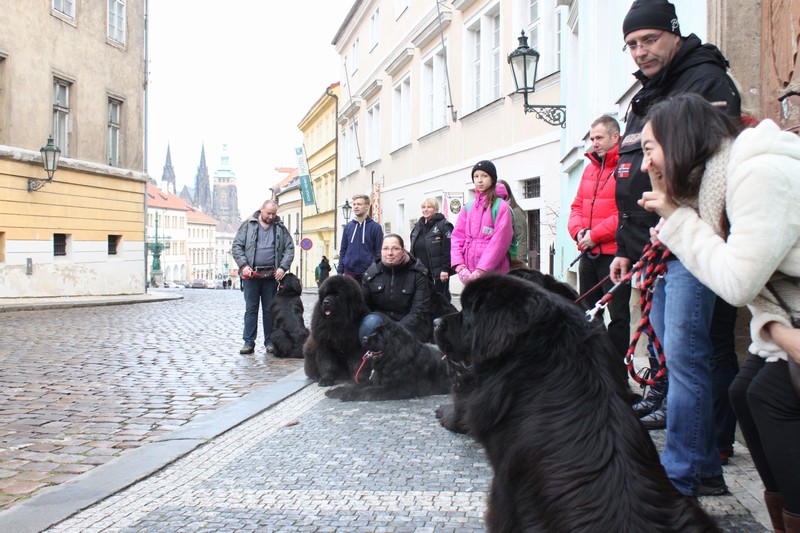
[[464, 275], [476, 274]]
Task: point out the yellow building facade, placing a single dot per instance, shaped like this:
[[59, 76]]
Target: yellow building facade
[[82, 233], [321, 145]]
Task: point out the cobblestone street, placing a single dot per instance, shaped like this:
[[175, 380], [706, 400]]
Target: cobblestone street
[[124, 418], [81, 386]]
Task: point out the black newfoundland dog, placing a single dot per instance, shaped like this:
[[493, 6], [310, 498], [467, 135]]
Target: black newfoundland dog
[[451, 416], [401, 367], [567, 451], [289, 330], [333, 351]]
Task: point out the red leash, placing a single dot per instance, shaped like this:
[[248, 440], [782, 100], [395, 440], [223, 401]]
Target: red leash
[[367, 356], [653, 265]]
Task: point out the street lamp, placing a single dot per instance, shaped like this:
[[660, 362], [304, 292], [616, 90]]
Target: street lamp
[[297, 236], [346, 210], [524, 63], [50, 156]]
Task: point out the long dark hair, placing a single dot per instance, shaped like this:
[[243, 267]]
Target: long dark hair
[[690, 131]]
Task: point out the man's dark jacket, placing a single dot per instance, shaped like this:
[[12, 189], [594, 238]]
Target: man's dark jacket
[[696, 68]]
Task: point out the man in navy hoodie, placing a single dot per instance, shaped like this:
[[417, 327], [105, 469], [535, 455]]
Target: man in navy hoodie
[[361, 241]]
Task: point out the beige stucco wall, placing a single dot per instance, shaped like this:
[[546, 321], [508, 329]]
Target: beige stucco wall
[[38, 44]]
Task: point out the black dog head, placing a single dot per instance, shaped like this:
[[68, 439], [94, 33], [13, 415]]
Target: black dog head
[[501, 314], [341, 296], [377, 341], [548, 282], [290, 285]]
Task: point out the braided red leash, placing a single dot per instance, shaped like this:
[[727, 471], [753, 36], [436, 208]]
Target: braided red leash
[[652, 265], [367, 356]]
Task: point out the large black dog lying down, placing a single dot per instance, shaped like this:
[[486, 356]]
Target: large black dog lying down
[[567, 451], [401, 366]]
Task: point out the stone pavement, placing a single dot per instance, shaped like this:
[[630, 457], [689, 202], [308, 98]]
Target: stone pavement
[[82, 380], [78, 395], [315, 464]]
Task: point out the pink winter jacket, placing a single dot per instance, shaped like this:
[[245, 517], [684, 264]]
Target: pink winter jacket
[[479, 243]]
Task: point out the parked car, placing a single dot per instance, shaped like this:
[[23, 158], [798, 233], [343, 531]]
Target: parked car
[[184, 284], [199, 284], [211, 284], [172, 285]]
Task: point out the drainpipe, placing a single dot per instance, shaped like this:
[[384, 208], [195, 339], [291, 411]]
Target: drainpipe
[[335, 173]]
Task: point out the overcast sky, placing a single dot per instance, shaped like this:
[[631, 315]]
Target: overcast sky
[[239, 72]]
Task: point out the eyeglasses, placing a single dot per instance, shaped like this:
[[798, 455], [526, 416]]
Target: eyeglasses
[[645, 44], [392, 249]]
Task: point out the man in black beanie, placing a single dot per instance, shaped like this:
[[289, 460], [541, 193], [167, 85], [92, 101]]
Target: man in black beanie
[[670, 64]]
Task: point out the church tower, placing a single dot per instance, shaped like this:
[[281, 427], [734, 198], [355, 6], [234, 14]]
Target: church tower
[[168, 176], [226, 197], [202, 189]]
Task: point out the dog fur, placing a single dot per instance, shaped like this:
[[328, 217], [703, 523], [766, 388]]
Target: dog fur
[[403, 367], [333, 351], [567, 451], [289, 331]]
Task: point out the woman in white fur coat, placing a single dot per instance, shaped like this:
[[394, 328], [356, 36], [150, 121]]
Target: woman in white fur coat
[[730, 209]]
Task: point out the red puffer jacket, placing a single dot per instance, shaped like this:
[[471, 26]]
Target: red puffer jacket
[[595, 205]]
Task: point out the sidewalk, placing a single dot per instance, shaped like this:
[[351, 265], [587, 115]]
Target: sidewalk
[[309, 463], [66, 302]]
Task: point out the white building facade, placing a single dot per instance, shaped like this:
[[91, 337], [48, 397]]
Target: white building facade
[[427, 92]]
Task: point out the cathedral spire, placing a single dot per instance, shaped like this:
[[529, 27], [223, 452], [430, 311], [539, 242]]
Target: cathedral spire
[[168, 176], [202, 187]]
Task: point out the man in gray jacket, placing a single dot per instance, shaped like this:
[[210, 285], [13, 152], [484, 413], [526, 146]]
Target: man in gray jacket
[[264, 251]]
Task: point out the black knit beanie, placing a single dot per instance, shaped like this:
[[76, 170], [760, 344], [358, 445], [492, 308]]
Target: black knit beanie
[[488, 167], [651, 14]]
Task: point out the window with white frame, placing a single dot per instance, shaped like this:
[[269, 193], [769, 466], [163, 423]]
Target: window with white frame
[[66, 7], [541, 20], [351, 147], [531, 22], [61, 115], [433, 97], [116, 20], [354, 56], [114, 113], [374, 28], [401, 107], [484, 55], [373, 132]]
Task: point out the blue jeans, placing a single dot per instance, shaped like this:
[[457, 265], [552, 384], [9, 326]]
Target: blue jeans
[[681, 316], [257, 290]]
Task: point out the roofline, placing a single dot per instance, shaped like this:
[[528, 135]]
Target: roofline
[[347, 19]]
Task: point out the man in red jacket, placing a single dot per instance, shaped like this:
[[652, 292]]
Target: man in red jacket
[[593, 223]]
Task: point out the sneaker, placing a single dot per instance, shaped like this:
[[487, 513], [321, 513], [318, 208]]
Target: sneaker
[[657, 419], [269, 347], [247, 348], [712, 486]]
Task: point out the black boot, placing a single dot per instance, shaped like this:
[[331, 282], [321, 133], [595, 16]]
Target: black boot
[[652, 401], [658, 418]]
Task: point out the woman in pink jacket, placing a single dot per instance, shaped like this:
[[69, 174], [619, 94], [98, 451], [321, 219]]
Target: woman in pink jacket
[[480, 241]]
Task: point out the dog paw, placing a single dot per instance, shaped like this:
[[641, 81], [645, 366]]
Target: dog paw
[[336, 393], [326, 381], [444, 411]]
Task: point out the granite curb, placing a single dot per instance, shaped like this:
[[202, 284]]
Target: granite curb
[[63, 501], [69, 302]]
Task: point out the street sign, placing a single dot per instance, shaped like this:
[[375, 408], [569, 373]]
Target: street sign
[[306, 244]]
